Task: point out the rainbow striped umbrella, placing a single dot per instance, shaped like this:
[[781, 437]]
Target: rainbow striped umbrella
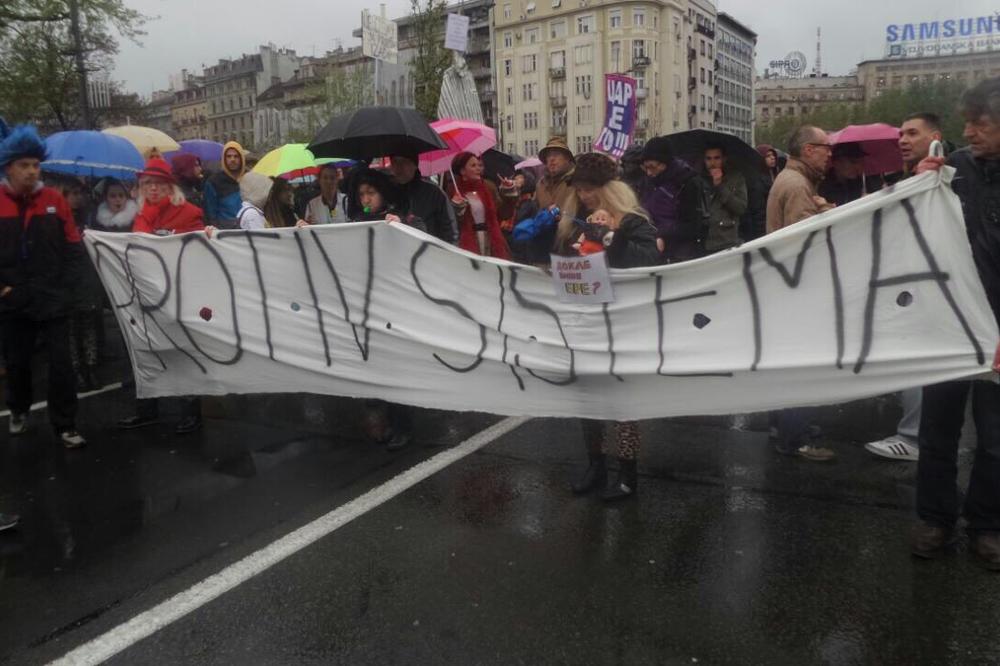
[[293, 160], [462, 136]]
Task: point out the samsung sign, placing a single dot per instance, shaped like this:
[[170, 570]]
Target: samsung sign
[[965, 35]]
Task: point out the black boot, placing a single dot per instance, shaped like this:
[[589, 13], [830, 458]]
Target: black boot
[[595, 477], [626, 483]]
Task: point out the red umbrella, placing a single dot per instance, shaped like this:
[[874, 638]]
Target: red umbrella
[[880, 143]]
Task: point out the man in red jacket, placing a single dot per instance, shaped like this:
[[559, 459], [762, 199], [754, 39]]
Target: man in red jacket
[[40, 260]]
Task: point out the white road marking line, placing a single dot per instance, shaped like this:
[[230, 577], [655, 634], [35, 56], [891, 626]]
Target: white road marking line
[[43, 404], [149, 622]]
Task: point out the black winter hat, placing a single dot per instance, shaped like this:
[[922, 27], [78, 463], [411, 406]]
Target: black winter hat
[[658, 149], [594, 169]]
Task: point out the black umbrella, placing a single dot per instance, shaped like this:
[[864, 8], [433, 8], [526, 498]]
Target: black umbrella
[[690, 146], [496, 164], [376, 131]]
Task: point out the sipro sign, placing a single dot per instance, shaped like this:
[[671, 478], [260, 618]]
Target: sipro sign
[[947, 37]]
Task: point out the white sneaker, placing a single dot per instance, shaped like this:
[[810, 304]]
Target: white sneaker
[[18, 424], [894, 448], [71, 439]]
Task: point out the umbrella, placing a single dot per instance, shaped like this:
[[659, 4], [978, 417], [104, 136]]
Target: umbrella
[[203, 149], [462, 136], [93, 154], [529, 163], [146, 139], [880, 143], [376, 131], [497, 164], [293, 160], [690, 146]]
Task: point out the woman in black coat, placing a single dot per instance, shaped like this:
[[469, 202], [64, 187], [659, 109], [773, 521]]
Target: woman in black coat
[[629, 239]]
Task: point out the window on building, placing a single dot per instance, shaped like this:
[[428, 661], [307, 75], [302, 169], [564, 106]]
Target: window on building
[[557, 60], [584, 55], [583, 85], [638, 48], [638, 17], [585, 24], [709, 50], [531, 35], [510, 122], [703, 47], [510, 96], [508, 39], [584, 144], [703, 75], [508, 67], [508, 11], [614, 18], [529, 63], [616, 56], [585, 114], [557, 30]]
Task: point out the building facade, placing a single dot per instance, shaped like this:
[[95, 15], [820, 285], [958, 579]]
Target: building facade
[[189, 113], [702, 34], [877, 76], [778, 98], [735, 71], [551, 57], [158, 111], [232, 87]]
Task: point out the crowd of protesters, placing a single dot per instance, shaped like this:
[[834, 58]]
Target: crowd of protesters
[[651, 208]]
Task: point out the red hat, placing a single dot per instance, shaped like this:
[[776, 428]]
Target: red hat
[[157, 167]]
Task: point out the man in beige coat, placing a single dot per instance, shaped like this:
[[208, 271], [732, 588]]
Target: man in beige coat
[[794, 196], [555, 186]]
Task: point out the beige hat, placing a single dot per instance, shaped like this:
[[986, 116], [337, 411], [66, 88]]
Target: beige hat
[[555, 143], [255, 187]]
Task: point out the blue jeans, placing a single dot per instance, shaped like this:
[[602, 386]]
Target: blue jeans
[[941, 421], [793, 428]]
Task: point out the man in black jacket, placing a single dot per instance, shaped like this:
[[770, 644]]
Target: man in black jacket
[[423, 199], [977, 184], [40, 263]]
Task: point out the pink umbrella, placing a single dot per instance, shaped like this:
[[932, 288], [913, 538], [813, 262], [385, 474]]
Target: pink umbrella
[[462, 136], [529, 163], [880, 143]]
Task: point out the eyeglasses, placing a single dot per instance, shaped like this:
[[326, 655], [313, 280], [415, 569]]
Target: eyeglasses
[[821, 145]]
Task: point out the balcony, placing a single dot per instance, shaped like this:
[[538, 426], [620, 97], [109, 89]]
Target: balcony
[[640, 62], [557, 73], [706, 30], [557, 101], [692, 83], [692, 54]]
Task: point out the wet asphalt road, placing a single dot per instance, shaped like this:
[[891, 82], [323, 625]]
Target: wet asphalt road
[[729, 554]]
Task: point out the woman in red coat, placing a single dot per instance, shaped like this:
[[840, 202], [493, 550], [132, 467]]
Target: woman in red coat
[[163, 210], [478, 227]]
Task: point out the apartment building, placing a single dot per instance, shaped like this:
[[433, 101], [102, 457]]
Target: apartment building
[[232, 87], [782, 97], [702, 32], [735, 71], [877, 76], [551, 57], [189, 113]]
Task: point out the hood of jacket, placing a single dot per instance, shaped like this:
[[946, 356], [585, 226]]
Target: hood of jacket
[[235, 175], [120, 221]]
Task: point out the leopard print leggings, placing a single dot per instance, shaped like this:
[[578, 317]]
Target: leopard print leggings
[[596, 436]]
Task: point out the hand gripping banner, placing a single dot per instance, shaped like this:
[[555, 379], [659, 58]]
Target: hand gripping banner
[[869, 298]]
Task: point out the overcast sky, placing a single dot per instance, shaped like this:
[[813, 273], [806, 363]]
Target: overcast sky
[[192, 33]]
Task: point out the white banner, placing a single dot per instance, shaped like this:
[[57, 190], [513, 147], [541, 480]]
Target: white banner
[[379, 37], [873, 297], [456, 34]]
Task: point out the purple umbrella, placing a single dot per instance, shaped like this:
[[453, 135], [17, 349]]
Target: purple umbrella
[[206, 151]]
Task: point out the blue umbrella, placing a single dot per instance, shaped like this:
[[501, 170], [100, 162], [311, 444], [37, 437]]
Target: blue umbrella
[[92, 154]]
